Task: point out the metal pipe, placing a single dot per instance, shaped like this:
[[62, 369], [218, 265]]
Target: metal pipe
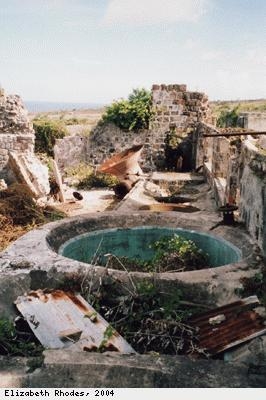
[[235, 134]]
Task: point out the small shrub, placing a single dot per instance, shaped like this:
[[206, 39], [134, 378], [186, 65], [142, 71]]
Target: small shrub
[[228, 118], [46, 133], [85, 132], [170, 254], [97, 181], [76, 121], [84, 177], [132, 114], [79, 172], [176, 252]]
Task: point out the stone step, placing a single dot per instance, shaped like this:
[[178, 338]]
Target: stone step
[[175, 177]]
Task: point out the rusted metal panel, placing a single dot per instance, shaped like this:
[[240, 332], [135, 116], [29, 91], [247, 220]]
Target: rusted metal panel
[[64, 320], [227, 326], [123, 164]]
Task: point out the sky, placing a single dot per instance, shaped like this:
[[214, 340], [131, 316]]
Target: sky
[[99, 50]]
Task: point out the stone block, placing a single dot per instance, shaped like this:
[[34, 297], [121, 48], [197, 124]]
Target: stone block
[[29, 171]]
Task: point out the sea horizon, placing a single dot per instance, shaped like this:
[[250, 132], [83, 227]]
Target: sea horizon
[[47, 106]]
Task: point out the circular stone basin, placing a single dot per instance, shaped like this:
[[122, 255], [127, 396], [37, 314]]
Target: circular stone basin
[[93, 247]]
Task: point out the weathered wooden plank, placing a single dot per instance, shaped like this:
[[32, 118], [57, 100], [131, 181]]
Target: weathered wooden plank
[[58, 180]]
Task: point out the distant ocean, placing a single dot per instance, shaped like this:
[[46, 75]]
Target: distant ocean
[[45, 106]]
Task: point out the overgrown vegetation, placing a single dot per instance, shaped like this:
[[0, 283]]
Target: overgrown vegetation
[[255, 285], [149, 319], [46, 133], [84, 177], [243, 106], [75, 121], [97, 180], [228, 118], [132, 114], [79, 172], [20, 213], [170, 254], [14, 342]]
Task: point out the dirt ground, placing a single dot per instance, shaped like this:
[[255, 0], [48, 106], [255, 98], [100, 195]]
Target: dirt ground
[[95, 200]]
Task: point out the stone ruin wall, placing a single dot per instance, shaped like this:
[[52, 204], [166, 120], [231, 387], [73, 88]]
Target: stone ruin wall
[[253, 121], [103, 142], [16, 131], [172, 104], [236, 170], [70, 151], [252, 181]]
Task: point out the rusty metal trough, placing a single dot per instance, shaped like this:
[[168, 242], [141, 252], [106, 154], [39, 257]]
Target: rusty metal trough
[[123, 164], [125, 167]]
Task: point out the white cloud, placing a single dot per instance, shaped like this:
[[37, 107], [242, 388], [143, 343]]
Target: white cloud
[[151, 12]]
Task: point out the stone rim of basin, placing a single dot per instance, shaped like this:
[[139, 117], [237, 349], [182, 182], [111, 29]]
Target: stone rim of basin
[[38, 249], [128, 242]]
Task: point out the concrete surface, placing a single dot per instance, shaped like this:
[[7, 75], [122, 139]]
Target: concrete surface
[[65, 369]]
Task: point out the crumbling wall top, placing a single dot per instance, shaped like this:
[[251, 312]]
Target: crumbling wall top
[[14, 116]]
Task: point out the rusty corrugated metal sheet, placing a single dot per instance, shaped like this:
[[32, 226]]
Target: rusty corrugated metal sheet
[[64, 320], [228, 326]]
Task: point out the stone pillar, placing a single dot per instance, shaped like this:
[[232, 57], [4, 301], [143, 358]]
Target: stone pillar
[[16, 130], [175, 107]]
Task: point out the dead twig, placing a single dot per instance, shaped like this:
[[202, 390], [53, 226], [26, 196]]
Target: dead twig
[[110, 256]]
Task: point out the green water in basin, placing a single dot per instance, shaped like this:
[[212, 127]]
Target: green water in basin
[[134, 242]]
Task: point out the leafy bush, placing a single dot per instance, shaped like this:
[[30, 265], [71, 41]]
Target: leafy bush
[[80, 171], [170, 254], [228, 118], [176, 252], [83, 176], [132, 114], [46, 133]]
